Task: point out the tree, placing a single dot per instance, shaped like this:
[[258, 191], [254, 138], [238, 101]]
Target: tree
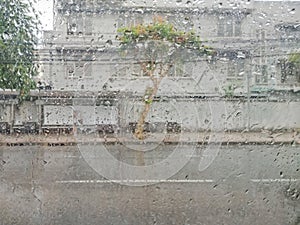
[[158, 47], [18, 29]]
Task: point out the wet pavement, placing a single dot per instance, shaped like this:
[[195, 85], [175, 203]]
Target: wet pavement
[[244, 184]]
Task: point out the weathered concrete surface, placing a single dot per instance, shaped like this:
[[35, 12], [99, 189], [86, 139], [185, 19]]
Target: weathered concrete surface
[[264, 137], [246, 184], [194, 114]]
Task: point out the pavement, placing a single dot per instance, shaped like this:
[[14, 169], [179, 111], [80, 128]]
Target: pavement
[[244, 185]]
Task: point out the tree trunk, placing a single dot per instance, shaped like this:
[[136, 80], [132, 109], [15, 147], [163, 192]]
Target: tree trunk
[[139, 131], [163, 70]]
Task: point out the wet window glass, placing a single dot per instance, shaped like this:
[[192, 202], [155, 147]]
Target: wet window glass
[[149, 112]]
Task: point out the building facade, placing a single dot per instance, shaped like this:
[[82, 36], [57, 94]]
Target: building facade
[[252, 39], [95, 85]]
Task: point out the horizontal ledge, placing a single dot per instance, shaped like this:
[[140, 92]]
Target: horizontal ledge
[[224, 138]]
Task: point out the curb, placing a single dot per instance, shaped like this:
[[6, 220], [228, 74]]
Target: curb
[[225, 138]]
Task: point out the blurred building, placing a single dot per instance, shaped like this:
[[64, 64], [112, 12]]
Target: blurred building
[[89, 82], [252, 38]]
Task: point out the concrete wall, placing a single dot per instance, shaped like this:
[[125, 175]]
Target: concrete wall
[[191, 114]]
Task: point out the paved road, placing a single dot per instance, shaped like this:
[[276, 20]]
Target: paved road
[[245, 184]]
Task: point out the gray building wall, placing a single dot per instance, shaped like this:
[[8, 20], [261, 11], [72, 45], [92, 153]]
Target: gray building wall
[[82, 52]]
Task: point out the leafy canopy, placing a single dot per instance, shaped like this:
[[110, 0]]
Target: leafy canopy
[[18, 29], [294, 58], [161, 30]]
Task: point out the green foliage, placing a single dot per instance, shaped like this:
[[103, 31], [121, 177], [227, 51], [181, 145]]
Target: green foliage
[[18, 29], [229, 90], [294, 59], [148, 94], [294, 65], [161, 30]]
